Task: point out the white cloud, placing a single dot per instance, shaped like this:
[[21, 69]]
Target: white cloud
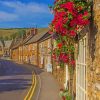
[[4, 16], [25, 12], [22, 8]]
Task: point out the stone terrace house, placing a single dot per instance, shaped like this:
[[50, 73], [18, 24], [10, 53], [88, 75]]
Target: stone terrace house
[[25, 49], [7, 45], [45, 46], [88, 59], [34, 46], [15, 50], [84, 84], [1, 48], [17, 46]]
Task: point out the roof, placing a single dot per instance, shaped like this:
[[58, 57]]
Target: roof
[[27, 39], [16, 43], [7, 43], [1, 44], [45, 37], [20, 41], [37, 37]]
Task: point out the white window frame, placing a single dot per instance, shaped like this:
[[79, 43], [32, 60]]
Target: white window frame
[[81, 71]]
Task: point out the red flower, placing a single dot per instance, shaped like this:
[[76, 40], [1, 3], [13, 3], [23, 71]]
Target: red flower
[[69, 6], [60, 45], [63, 97], [53, 56], [63, 57], [72, 33], [86, 13], [73, 22], [72, 62]]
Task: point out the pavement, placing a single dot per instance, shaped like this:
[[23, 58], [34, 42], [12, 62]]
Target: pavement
[[16, 79], [47, 87]]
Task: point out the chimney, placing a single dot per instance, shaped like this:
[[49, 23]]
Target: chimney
[[33, 31], [36, 31]]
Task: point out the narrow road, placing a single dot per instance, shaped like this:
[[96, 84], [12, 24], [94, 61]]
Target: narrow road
[[15, 80]]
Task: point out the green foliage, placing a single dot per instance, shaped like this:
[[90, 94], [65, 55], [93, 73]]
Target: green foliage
[[21, 33], [1, 37], [65, 94], [6, 38]]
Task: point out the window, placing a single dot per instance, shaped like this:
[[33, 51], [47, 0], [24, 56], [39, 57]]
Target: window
[[81, 71]]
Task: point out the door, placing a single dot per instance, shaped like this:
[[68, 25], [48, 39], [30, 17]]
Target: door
[[81, 74]]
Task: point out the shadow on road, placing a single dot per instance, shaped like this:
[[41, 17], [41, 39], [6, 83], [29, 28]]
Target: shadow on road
[[10, 68], [14, 76], [13, 84]]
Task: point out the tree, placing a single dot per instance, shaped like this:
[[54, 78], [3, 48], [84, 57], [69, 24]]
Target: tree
[[21, 33], [1, 38], [6, 38]]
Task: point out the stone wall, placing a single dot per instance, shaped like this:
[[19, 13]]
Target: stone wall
[[93, 71]]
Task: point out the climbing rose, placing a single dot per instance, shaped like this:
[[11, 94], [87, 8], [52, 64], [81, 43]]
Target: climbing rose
[[60, 45], [54, 56], [72, 62], [63, 57], [73, 22], [72, 33], [69, 6]]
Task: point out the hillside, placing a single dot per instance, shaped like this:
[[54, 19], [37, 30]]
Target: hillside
[[8, 32]]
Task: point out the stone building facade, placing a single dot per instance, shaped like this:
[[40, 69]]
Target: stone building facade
[[88, 58], [93, 71]]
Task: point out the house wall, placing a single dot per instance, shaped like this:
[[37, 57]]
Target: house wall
[[25, 54], [1, 51], [33, 53], [93, 55], [21, 53], [44, 53], [15, 54], [58, 73], [93, 70]]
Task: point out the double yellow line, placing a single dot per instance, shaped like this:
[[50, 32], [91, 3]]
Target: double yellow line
[[32, 88]]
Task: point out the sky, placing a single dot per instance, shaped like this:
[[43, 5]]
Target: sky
[[25, 13]]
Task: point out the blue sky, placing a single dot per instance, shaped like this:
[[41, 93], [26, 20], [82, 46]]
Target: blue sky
[[25, 13]]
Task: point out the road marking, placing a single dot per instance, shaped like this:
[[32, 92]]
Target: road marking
[[37, 98], [32, 88]]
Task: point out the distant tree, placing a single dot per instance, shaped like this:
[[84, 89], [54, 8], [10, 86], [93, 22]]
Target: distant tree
[[6, 38], [13, 36], [1, 38], [21, 33]]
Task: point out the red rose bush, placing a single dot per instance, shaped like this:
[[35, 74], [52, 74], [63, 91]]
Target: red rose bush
[[69, 17]]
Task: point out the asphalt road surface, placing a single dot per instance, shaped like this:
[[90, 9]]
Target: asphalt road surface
[[15, 80]]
